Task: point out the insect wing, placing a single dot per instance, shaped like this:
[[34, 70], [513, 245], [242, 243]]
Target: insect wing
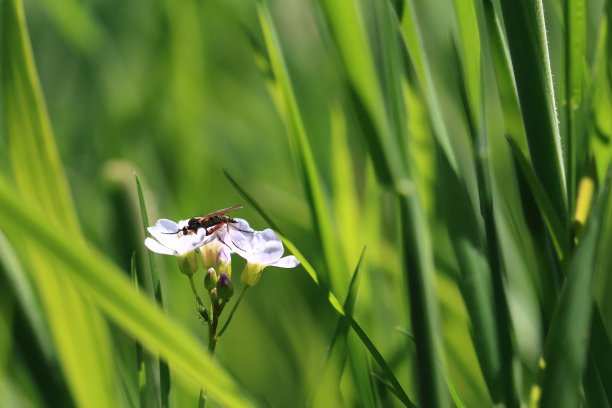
[[222, 211]]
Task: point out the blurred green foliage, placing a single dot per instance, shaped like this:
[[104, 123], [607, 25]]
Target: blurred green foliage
[[463, 143]]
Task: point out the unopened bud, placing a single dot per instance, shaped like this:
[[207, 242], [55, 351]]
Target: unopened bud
[[188, 263], [213, 295], [210, 279], [225, 288], [251, 274]]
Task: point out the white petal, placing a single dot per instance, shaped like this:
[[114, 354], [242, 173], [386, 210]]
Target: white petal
[[287, 262], [266, 248], [165, 232], [242, 224], [155, 246], [187, 243], [167, 226]]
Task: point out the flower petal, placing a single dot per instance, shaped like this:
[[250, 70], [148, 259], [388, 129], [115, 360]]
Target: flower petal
[[164, 225], [155, 246], [287, 262]]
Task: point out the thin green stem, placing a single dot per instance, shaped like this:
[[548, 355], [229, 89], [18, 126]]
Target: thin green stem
[[229, 318], [195, 292], [211, 340]]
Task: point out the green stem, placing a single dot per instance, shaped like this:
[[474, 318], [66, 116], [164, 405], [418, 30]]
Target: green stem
[[211, 340], [195, 292], [229, 318]]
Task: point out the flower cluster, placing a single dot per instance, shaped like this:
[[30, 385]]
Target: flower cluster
[[259, 248]]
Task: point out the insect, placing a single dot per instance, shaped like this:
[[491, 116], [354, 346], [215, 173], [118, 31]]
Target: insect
[[210, 222]]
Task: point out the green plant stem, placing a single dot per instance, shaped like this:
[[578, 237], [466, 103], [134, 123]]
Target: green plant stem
[[195, 292], [211, 349], [217, 308], [229, 318]]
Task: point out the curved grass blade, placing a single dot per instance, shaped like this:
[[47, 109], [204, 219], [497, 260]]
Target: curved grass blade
[[526, 35], [547, 210], [340, 332], [565, 352], [105, 285], [334, 302], [164, 371], [307, 165], [78, 330]]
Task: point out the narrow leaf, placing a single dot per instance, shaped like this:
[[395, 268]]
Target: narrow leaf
[[547, 210], [164, 371], [526, 35], [296, 129], [565, 352]]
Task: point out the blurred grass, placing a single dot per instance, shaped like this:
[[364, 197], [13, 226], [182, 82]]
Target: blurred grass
[[350, 123]]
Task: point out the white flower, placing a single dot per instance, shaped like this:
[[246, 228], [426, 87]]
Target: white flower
[[169, 240], [261, 249]]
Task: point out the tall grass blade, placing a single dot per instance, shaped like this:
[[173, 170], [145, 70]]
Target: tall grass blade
[[423, 308], [347, 26], [526, 36], [600, 349], [546, 207], [413, 40], [336, 347], [140, 361], [575, 52], [106, 286], [306, 162], [565, 352], [164, 371], [475, 281], [346, 22], [78, 329]]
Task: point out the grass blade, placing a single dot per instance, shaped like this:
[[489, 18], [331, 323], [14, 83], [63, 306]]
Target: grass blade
[[546, 207], [140, 361], [164, 371], [566, 352], [575, 41], [306, 162], [79, 331], [423, 308], [526, 35], [346, 23], [24, 291], [413, 38], [337, 343]]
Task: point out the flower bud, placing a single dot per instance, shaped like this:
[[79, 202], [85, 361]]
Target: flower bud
[[209, 253], [251, 274], [210, 279], [188, 264], [213, 295], [225, 266], [225, 288]]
